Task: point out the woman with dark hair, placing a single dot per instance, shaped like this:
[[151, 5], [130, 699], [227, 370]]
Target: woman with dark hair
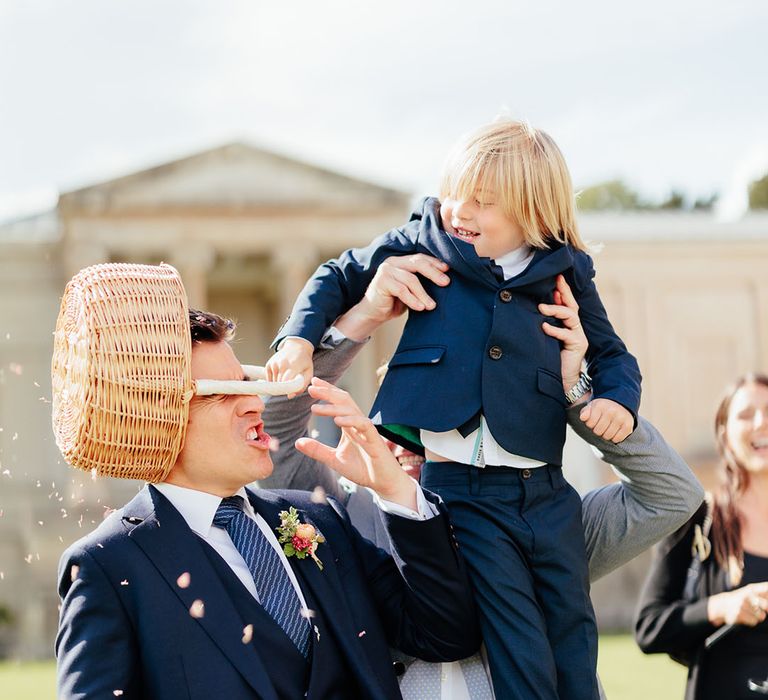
[[706, 597]]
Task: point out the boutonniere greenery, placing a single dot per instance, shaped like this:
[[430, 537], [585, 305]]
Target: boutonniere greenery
[[299, 539]]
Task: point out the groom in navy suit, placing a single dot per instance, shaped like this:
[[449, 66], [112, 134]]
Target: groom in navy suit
[[167, 598]]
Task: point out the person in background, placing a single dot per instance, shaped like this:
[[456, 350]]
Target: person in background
[[656, 494], [711, 576]]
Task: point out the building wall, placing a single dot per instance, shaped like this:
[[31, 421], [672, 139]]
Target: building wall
[[691, 307]]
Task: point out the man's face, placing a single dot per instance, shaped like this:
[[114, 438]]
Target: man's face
[[225, 446]]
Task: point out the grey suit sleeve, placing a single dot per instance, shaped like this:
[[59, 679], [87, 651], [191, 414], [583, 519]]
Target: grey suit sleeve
[[288, 419], [656, 494]]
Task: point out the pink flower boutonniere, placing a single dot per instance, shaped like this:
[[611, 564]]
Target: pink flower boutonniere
[[299, 539]]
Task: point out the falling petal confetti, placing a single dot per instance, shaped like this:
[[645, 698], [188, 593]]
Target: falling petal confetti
[[15, 436], [28, 559], [307, 613], [318, 495], [73, 572], [314, 433], [274, 444], [2, 576], [16, 368], [197, 609], [40, 523], [184, 580], [117, 692], [94, 473], [124, 582], [361, 634], [247, 634], [317, 632]]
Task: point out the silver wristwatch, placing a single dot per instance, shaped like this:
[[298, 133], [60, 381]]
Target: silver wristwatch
[[579, 388]]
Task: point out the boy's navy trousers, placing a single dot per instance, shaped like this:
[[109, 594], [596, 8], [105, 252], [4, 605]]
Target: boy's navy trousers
[[520, 533]]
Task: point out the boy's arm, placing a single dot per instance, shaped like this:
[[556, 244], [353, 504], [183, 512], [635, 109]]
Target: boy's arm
[[657, 494], [395, 287], [614, 371], [339, 284]]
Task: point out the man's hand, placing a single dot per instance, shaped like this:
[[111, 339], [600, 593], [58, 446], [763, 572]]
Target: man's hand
[[293, 359], [571, 335], [395, 287], [608, 419], [361, 455]]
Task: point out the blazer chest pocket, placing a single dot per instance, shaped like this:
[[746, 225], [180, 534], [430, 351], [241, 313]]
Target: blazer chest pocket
[[551, 385], [423, 355]]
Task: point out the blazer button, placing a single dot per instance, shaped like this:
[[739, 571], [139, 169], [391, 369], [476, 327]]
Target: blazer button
[[495, 352], [398, 667], [505, 295], [526, 473]]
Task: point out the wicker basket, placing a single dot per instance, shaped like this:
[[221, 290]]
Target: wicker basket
[[121, 371]]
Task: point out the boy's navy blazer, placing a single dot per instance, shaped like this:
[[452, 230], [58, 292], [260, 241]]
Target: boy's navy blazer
[[482, 347], [125, 622]]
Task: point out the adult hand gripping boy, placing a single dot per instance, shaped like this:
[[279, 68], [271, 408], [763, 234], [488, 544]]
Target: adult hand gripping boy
[[606, 418]]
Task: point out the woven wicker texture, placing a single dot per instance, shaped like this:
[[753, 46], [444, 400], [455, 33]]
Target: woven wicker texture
[[121, 370]]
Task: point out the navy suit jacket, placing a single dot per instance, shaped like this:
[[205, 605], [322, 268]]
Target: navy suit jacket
[[125, 622], [482, 347]]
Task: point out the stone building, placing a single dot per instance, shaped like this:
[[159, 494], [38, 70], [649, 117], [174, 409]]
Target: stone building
[[245, 228]]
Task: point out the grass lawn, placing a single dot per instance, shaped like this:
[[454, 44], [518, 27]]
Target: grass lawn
[[626, 674]]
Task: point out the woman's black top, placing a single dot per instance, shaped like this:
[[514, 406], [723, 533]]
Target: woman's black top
[[734, 668]]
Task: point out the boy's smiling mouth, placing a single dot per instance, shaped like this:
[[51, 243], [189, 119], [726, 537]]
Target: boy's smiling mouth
[[465, 234]]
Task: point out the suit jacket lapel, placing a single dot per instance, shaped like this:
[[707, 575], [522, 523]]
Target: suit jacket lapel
[[326, 588], [174, 549]]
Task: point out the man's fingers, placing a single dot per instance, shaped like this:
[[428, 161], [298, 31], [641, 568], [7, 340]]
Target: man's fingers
[[426, 265], [556, 332], [566, 295], [316, 450]]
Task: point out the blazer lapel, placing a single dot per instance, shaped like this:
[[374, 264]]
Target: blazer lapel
[[174, 549], [326, 588]]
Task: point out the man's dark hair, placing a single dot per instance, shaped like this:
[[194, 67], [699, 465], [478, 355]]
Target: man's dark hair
[[206, 327]]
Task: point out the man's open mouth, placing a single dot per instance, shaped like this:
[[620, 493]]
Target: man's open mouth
[[258, 437]]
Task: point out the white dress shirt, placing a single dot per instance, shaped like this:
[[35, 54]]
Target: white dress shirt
[[199, 508]]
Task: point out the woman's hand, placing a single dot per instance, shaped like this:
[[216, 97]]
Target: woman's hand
[[743, 606], [361, 456]]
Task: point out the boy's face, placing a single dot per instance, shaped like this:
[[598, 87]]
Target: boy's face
[[481, 222]]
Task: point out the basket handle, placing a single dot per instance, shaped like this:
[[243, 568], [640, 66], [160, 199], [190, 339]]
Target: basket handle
[[255, 385]]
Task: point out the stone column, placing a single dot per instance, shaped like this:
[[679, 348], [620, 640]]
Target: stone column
[[77, 255], [194, 262], [293, 266]]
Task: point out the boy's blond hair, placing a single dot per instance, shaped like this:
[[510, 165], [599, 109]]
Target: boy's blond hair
[[527, 172]]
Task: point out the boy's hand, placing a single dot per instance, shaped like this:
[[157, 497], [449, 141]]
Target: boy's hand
[[293, 359], [608, 419]]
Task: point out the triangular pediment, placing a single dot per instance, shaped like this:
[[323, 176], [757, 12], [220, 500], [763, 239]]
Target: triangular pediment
[[235, 177]]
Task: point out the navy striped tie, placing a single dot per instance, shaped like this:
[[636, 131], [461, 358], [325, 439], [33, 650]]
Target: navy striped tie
[[277, 594]]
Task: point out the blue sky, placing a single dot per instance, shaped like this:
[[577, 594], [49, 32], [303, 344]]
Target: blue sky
[[663, 94]]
